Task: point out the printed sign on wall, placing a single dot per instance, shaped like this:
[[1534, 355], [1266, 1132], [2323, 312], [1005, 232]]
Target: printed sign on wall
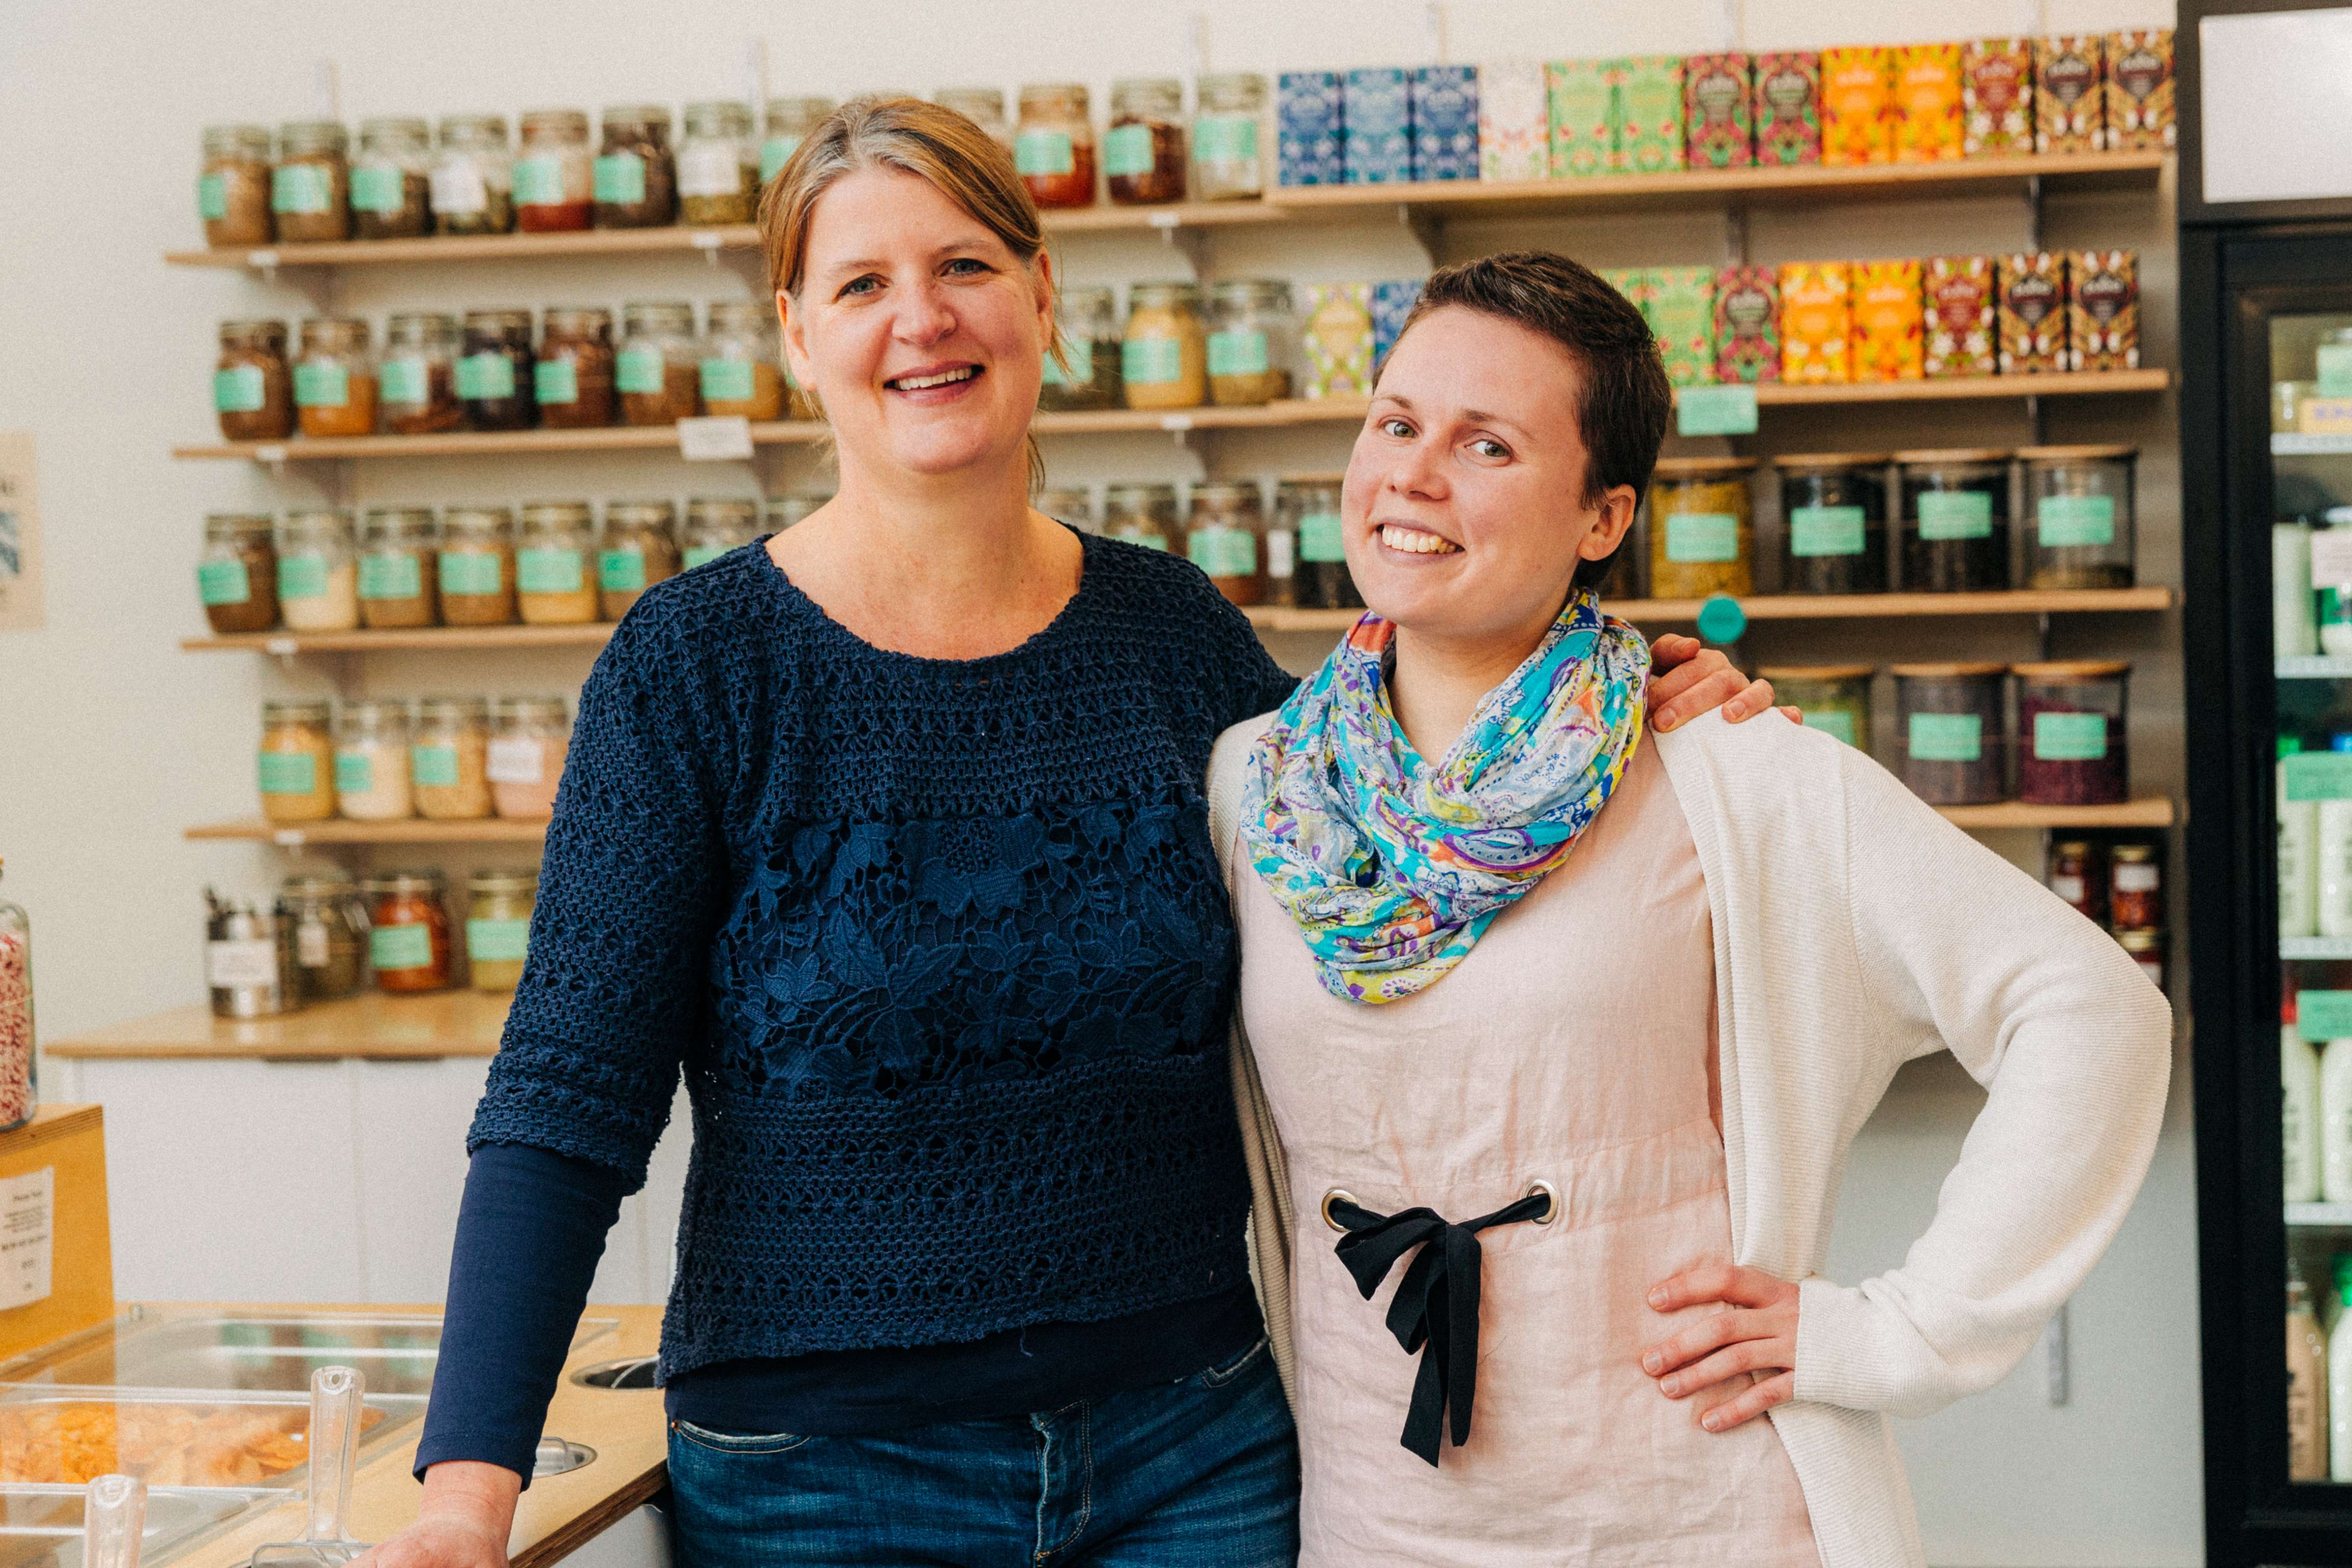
[[20, 536]]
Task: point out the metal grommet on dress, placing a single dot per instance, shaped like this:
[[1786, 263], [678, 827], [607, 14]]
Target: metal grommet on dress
[[1548, 1191], [1336, 1195]]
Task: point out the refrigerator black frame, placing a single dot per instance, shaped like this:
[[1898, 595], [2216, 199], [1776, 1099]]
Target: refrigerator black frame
[[2187, 73]]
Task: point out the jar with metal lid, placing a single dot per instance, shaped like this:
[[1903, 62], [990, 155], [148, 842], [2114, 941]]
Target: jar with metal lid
[[249, 968], [742, 368], [409, 932], [1072, 506], [572, 375], [1308, 505], [984, 106], [1833, 523], [391, 185], [1087, 373], [1163, 359], [417, 379], [396, 567], [2074, 874], [496, 380], [372, 760], [1253, 337], [253, 387], [16, 1060], [1951, 731], [232, 185], [476, 570], [297, 761], [635, 178], [1229, 133], [554, 175], [310, 186], [330, 924], [1054, 145], [2070, 727], [1223, 535], [449, 757], [236, 575], [1702, 528], [2147, 950], [318, 571], [1143, 153], [529, 738], [2136, 889], [1140, 514], [553, 563], [785, 124], [640, 549], [660, 367], [334, 378], [473, 175], [2079, 501], [778, 513], [718, 167], [499, 906], [715, 525], [1955, 521], [1832, 698]]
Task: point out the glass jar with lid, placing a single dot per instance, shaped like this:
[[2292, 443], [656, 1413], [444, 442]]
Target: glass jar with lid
[[318, 571], [2079, 505], [1832, 698], [1702, 528], [715, 525], [1140, 514], [1086, 374], [555, 173], [334, 378], [236, 575], [658, 369], [417, 380], [371, 763], [785, 124], [297, 761], [396, 567], [1229, 133], [2073, 872], [1951, 731], [1143, 153], [409, 932], [473, 175], [391, 190], [496, 380], [984, 106], [1253, 335], [2070, 732], [573, 377], [249, 965], [477, 571], [640, 549], [232, 185], [310, 186], [778, 513], [1833, 523], [1222, 537], [1308, 506], [740, 370], [1955, 521], [553, 563], [1073, 506], [529, 738], [1164, 356], [331, 932], [718, 168], [635, 179], [16, 1088], [499, 905], [1054, 145], [450, 759], [2135, 884], [253, 387]]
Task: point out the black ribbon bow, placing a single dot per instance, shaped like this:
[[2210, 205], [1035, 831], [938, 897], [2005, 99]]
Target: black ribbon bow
[[1435, 1309]]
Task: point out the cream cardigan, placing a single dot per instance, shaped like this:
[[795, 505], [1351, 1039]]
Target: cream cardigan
[[1856, 929]]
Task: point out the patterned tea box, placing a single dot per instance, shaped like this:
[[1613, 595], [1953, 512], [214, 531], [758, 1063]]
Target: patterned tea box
[[1650, 130], [1747, 323], [1927, 119], [2070, 95], [1718, 131], [1816, 320], [2103, 310], [2139, 91], [1889, 338], [2032, 313], [1858, 105], [1636, 283], [1310, 147], [1391, 303], [1582, 110], [1997, 98], [1336, 341], [1376, 126], [1681, 311], [1959, 297], [1445, 122], [1787, 109], [1514, 127]]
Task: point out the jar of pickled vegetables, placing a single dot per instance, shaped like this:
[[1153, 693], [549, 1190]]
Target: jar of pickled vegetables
[[1143, 153], [635, 176], [1308, 506], [658, 370], [1955, 521], [232, 187], [555, 173], [372, 765], [1253, 335], [1087, 373], [253, 387], [397, 577], [318, 571], [640, 549], [984, 106], [409, 932], [742, 368], [573, 373], [449, 757], [786, 123], [417, 380], [1054, 145], [334, 378], [1951, 731], [1229, 133], [499, 906], [495, 378], [1140, 514], [1224, 537], [1702, 528], [236, 575], [297, 761], [529, 738], [476, 571], [2079, 503], [2070, 731], [553, 559], [310, 186], [1832, 698], [715, 525], [1164, 357], [473, 177], [390, 183], [1833, 523], [718, 167]]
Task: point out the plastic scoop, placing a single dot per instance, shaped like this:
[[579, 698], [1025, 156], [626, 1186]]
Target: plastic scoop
[[114, 1516], [335, 1394]]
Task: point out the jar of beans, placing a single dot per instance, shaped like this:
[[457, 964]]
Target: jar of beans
[[1224, 535], [1087, 373], [409, 932], [1140, 514], [473, 177], [741, 369], [1702, 528], [2070, 722], [233, 189], [553, 562], [785, 124], [1955, 521], [572, 375], [718, 168], [1833, 523], [1227, 135], [391, 189], [477, 571], [1949, 732], [2079, 503], [253, 387], [715, 525], [494, 375], [397, 571], [417, 379], [554, 178], [635, 180], [658, 369], [1832, 698], [237, 576], [1054, 145], [639, 550], [1307, 505], [310, 186], [334, 378], [1143, 153]]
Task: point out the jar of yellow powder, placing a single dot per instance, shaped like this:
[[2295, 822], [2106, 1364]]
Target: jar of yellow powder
[[1702, 528], [555, 564], [499, 906], [1164, 358], [297, 761]]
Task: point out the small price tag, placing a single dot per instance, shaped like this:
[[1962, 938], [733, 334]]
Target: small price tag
[[1179, 423], [723, 438], [266, 260], [709, 239], [2331, 558], [1715, 410]]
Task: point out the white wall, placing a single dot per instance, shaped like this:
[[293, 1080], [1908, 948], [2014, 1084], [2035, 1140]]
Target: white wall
[[111, 742]]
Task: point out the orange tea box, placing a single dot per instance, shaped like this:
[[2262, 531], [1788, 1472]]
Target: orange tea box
[[1997, 98], [2070, 95], [1927, 120], [1858, 106], [1816, 318], [1888, 335], [1960, 297], [2139, 91]]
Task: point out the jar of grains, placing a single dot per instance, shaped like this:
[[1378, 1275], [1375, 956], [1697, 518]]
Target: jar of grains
[[1253, 333], [16, 1061], [1702, 530], [1833, 523], [715, 525], [635, 182], [1054, 145], [310, 186], [718, 167], [1143, 152], [330, 931], [2070, 732], [233, 189], [1949, 732], [391, 190], [2074, 873], [449, 758], [318, 571], [237, 576], [640, 549], [372, 762], [1140, 514], [553, 587], [574, 376], [498, 926], [660, 367], [529, 738], [297, 761], [786, 123], [396, 567], [1223, 535], [416, 379], [495, 376], [741, 367], [476, 572], [409, 932], [253, 387], [1308, 506], [554, 175], [1833, 698], [1087, 373], [334, 378], [1228, 131], [1955, 521], [2135, 883], [2079, 501], [984, 106], [1164, 357], [1073, 506], [473, 177]]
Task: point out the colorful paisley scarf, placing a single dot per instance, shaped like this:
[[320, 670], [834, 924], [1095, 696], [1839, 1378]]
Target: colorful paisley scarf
[[1394, 868]]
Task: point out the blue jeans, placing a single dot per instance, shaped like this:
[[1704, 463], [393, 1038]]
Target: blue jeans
[[1198, 1473]]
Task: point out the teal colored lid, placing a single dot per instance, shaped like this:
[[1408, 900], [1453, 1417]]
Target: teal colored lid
[[2343, 1272], [2290, 745]]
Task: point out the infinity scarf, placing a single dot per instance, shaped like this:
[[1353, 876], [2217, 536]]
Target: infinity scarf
[[1393, 867]]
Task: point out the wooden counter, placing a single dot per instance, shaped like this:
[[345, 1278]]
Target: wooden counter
[[372, 1024]]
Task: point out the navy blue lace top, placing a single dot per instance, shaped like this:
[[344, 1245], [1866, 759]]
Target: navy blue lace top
[[940, 948]]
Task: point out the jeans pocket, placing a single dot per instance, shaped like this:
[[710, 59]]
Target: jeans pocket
[[740, 1443], [1224, 1371]]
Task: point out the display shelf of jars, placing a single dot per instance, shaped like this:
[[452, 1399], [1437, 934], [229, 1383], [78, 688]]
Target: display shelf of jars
[[593, 633], [2317, 666], [403, 830], [454, 1023], [2320, 949], [2153, 812], [1801, 607], [2330, 1216]]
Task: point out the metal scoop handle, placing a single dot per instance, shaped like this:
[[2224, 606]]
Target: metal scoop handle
[[335, 1394], [114, 1516]]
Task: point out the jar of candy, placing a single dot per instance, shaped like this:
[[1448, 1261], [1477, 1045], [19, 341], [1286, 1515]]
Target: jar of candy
[[496, 380], [391, 190], [2079, 501], [477, 566], [334, 378], [253, 387], [1073, 506], [715, 525], [635, 180], [572, 375], [1832, 698], [233, 188], [787, 123], [331, 932], [529, 738], [473, 177], [553, 563], [409, 932], [740, 370], [1833, 523], [640, 549], [297, 761], [237, 576], [660, 367], [371, 765], [984, 106], [1224, 537], [318, 571], [718, 167], [1955, 521], [1087, 373], [448, 758], [1054, 145], [1140, 514], [1253, 335], [2069, 724], [1949, 732], [1143, 153], [1308, 506], [310, 186], [499, 906], [1228, 133], [397, 579], [1164, 357], [417, 380], [1702, 528], [554, 175]]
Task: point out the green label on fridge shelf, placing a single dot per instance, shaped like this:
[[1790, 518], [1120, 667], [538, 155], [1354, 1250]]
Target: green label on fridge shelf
[[727, 381], [621, 571], [322, 383], [496, 941], [1702, 536], [556, 381], [1721, 619], [212, 196], [1237, 354], [1126, 150], [1319, 537], [1224, 552], [774, 153], [433, 765], [288, 772], [1224, 139], [378, 188], [621, 178], [1728, 410], [1080, 353], [2069, 737], [404, 380], [238, 389], [2324, 1014], [2077, 519], [355, 772], [2319, 776], [400, 947], [637, 370], [470, 573], [549, 571], [539, 181], [223, 583], [302, 576], [2335, 370], [702, 554], [485, 375], [1151, 361], [1946, 737], [1043, 152], [391, 574], [1955, 514], [300, 188], [1825, 530], [1838, 721]]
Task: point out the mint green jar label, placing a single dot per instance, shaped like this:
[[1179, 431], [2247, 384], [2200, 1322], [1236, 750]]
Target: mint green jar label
[[433, 766], [485, 375], [621, 571], [288, 772], [2068, 521], [300, 188], [2334, 370], [1224, 552], [703, 555], [212, 196], [539, 181], [471, 573], [322, 383], [223, 583], [2319, 776], [2069, 737], [1126, 150], [727, 381], [2323, 1014], [1237, 354], [377, 188], [556, 381], [1151, 361], [637, 370], [1838, 721], [238, 389], [1080, 354], [400, 947], [498, 941], [774, 153], [391, 574], [1319, 537], [355, 772], [1825, 530], [302, 576], [1702, 536], [549, 571], [1224, 139], [620, 178], [1946, 737], [404, 380], [1955, 514], [1044, 153]]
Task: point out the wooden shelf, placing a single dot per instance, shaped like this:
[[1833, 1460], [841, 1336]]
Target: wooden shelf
[[2315, 948], [593, 634], [2332, 1217], [2155, 813], [372, 1024], [1963, 388], [1808, 607], [408, 830]]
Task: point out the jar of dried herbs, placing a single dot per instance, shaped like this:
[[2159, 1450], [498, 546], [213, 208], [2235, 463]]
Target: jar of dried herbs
[[639, 550], [416, 379], [658, 369], [391, 190], [310, 186], [574, 376], [718, 167], [635, 179], [495, 375], [232, 187], [253, 387], [1087, 373], [237, 576], [473, 177]]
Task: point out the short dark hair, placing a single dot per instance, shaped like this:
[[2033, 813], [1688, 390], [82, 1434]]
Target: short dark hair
[[1627, 398]]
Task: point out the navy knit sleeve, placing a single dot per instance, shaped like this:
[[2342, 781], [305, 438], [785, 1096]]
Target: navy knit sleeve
[[1252, 683]]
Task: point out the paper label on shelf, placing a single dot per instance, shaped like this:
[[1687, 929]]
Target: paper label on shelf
[[1955, 514], [302, 576], [28, 1211], [2073, 521], [2331, 558], [212, 196], [300, 188], [1838, 721], [1044, 153], [459, 187], [1702, 536], [288, 772], [229, 965], [556, 381], [354, 774], [727, 381], [620, 179], [1224, 139], [495, 941], [1728, 410], [322, 383], [719, 438], [621, 571], [637, 370], [379, 188], [400, 947], [1825, 530], [223, 583], [774, 153], [549, 571], [310, 944], [471, 573], [2319, 775], [403, 380], [1152, 362], [2135, 876], [485, 375], [238, 389], [2069, 737], [390, 575], [1319, 537], [539, 181], [515, 759], [433, 766], [1237, 354], [2335, 370], [1223, 552], [1946, 737]]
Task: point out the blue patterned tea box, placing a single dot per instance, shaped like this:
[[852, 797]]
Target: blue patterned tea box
[[1308, 125], [1378, 122], [1391, 303], [1445, 122]]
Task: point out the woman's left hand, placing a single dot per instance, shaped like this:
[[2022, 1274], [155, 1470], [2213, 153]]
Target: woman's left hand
[[1757, 1337], [1687, 678]]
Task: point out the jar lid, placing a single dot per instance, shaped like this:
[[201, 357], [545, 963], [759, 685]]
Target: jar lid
[[1139, 495], [1794, 460], [786, 510], [557, 514], [2076, 454], [570, 122], [1695, 467], [410, 880], [807, 106], [2132, 852], [2070, 846], [474, 130], [2073, 670], [401, 324], [1219, 82], [718, 117], [298, 136], [505, 319], [503, 879], [317, 519], [295, 707], [636, 314], [2139, 940], [1064, 503], [1043, 92], [243, 137], [399, 521], [348, 331], [397, 127], [531, 707], [1269, 292], [477, 519], [430, 708], [640, 513], [989, 101], [317, 885], [234, 522], [365, 710], [1315, 479], [1159, 292], [1947, 671], [1817, 671], [246, 330], [1225, 493], [744, 510], [1927, 456], [741, 315], [637, 116]]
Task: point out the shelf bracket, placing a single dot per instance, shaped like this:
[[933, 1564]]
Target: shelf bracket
[[2041, 636], [1194, 243], [1428, 232], [2033, 212], [1734, 236]]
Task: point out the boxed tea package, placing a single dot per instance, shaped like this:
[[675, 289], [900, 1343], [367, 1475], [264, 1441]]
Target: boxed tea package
[[1583, 117], [1681, 311], [1308, 146], [1514, 130], [1717, 130], [2070, 95], [2032, 313], [1786, 109], [1888, 338], [1997, 98], [1650, 125], [1858, 105], [1747, 323], [1376, 126], [1445, 122], [1336, 339], [1816, 320], [2103, 310], [1391, 303], [1961, 299], [1927, 119], [2139, 91], [1638, 284]]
